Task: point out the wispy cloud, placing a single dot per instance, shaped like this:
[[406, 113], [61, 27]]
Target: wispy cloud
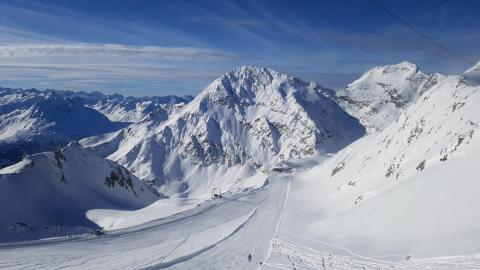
[[138, 79], [112, 50]]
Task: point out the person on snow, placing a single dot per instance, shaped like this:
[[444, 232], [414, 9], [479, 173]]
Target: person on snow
[[249, 257]]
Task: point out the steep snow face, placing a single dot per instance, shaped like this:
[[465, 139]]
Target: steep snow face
[[379, 96], [250, 116], [409, 189], [51, 192], [33, 121]]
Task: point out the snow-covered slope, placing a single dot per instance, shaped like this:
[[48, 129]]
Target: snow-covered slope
[[32, 121], [249, 116], [119, 108], [411, 188], [49, 193], [379, 96]]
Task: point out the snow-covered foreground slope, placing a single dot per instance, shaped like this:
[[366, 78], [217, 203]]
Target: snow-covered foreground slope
[[409, 189], [247, 119], [32, 121], [379, 96], [48, 194], [292, 251], [217, 234]]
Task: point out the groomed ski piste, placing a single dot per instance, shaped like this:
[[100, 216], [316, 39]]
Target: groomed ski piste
[[215, 234]]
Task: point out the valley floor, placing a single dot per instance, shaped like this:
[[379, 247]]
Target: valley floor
[[217, 234]]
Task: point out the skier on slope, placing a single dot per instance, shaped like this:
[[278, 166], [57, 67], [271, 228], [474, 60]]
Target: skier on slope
[[249, 257]]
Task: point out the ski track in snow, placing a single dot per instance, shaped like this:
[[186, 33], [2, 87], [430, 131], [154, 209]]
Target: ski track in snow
[[288, 254], [217, 235], [292, 251], [277, 227]]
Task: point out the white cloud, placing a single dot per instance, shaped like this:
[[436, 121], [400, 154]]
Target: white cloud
[[112, 51]]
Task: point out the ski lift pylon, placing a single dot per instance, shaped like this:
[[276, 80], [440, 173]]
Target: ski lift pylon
[[216, 193]]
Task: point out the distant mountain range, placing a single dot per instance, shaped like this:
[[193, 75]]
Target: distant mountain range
[[32, 121]]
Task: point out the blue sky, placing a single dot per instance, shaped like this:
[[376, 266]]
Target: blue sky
[[178, 47]]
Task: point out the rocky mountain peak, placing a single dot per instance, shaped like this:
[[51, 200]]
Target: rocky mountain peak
[[248, 85], [246, 116], [380, 94]]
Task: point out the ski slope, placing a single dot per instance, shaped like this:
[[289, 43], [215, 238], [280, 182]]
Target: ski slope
[[295, 247], [217, 234]]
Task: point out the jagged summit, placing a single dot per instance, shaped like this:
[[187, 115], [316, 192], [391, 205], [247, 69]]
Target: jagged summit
[[32, 121], [248, 80], [245, 71]]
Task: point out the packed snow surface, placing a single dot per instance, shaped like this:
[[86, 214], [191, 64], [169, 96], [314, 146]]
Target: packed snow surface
[[217, 234]]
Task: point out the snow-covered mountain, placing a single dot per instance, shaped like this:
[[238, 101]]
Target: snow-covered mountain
[[249, 116], [410, 188], [32, 121], [49, 193], [379, 96], [119, 108]]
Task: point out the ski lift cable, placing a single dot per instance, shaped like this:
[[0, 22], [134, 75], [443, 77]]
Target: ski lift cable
[[425, 36]]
